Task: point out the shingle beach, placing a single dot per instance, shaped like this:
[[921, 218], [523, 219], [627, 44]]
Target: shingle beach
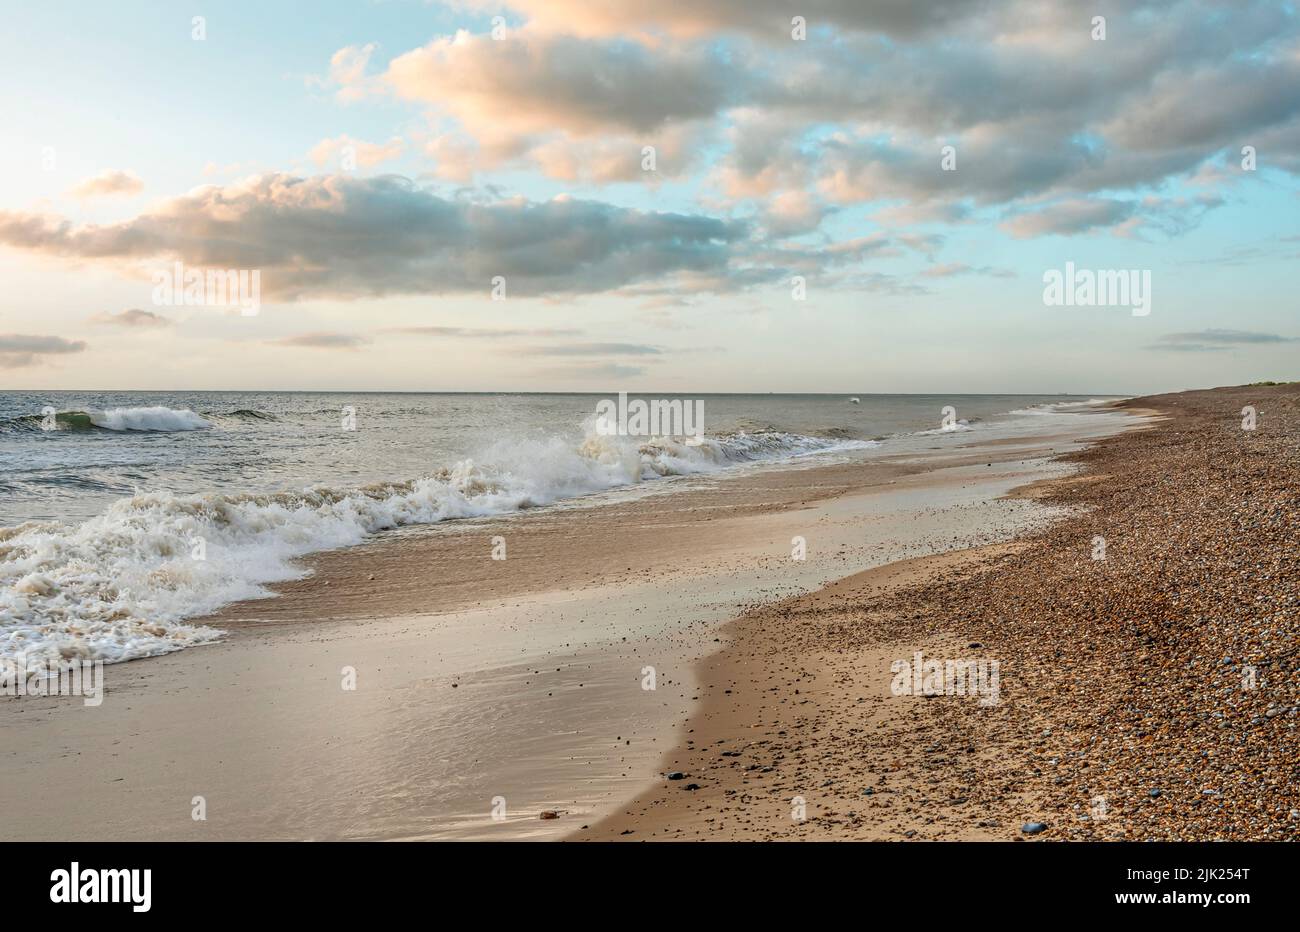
[[1148, 654]]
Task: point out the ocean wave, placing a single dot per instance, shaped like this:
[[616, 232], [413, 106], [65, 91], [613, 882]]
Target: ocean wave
[[156, 418], [115, 419], [1056, 407], [122, 585], [962, 424], [242, 414]]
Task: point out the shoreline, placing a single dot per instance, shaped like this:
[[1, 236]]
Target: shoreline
[[799, 707], [519, 679], [757, 697]]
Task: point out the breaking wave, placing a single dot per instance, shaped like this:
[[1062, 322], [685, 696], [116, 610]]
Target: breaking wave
[[961, 424], [116, 419], [1056, 407], [121, 585]]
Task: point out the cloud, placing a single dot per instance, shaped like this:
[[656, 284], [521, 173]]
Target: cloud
[[346, 152], [1216, 340], [18, 350], [348, 237], [348, 73], [323, 340], [1035, 109], [594, 349], [904, 215], [676, 150], [953, 269], [1172, 216], [106, 184], [133, 317], [483, 333], [1054, 134], [1205, 105], [769, 19], [1070, 217], [766, 154], [1270, 250], [793, 213], [850, 252], [530, 82], [593, 372], [881, 283]]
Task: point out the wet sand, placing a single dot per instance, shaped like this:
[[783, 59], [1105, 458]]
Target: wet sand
[[1147, 648], [517, 685], [799, 738]]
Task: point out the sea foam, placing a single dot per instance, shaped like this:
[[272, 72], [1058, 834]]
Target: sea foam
[[123, 584], [116, 419], [157, 418]]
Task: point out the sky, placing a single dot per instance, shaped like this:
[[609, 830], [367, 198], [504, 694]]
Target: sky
[[649, 195]]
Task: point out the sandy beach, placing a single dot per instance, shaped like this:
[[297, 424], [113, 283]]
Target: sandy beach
[[562, 425], [490, 692], [660, 666], [1148, 694]]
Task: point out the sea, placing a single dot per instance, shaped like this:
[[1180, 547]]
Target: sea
[[124, 515]]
